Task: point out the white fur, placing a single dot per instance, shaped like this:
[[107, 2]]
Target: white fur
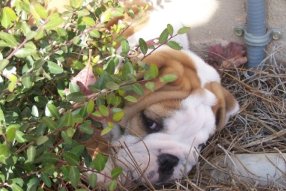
[[205, 72], [183, 132]]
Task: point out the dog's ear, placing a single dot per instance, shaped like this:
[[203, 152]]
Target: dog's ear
[[226, 105]]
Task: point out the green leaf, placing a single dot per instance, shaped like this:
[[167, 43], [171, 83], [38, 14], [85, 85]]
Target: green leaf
[[137, 88], [66, 120], [46, 180], [4, 151], [112, 185], [164, 36], [117, 116], [76, 3], [27, 82], [2, 118], [42, 139], [88, 21], [168, 78], [9, 38], [19, 136], [94, 33], [33, 184], [99, 162], [103, 110], [78, 150], [150, 86], [183, 30], [174, 45], [53, 110], [86, 128], [13, 82], [170, 29], [41, 11], [31, 153], [112, 85], [74, 176], [71, 158], [125, 47], [116, 172], [28, 50], [143, 46], [11, 132], [90, 106], [16, 187], [107, 129], [51, 124], [54, 21], [3, 64], [70, 132], [92, 179], [131, 98], [54, 68], [152, 72], [8, 16], [38, 11], [76, 97]]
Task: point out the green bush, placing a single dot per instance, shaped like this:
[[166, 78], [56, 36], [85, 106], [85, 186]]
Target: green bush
[[41, 111]]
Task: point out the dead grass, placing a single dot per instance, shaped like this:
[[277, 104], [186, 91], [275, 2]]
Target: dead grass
[[259, 127]]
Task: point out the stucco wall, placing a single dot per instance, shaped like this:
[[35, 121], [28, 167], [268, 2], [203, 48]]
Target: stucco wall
[[213, 21]]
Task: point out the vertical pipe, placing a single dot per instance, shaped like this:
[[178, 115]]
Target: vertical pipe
[[256, 27]]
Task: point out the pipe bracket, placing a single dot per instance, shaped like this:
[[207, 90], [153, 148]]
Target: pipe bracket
[[262, 40]]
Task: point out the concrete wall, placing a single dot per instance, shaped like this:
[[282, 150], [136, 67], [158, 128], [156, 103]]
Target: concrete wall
[[213, 21]]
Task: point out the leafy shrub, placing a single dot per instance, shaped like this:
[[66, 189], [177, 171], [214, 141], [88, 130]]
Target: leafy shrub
[[41, 110]]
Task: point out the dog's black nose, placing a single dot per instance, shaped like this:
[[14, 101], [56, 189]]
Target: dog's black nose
[[167, 162]]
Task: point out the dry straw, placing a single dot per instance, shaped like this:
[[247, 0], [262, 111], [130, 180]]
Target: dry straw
[[259, 127]]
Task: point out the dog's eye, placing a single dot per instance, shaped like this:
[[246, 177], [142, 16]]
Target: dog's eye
[[151, 125]]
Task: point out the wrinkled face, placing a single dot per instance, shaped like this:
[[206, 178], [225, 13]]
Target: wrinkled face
[[162, 142]]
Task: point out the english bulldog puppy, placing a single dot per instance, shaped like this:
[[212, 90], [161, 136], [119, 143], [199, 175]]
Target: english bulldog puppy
[[164, 131]]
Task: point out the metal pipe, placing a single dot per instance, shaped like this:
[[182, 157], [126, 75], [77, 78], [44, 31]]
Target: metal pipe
[[256, 36]]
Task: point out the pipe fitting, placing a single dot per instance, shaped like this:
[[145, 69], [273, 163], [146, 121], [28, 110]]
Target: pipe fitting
[[274, 34], [257, 40]]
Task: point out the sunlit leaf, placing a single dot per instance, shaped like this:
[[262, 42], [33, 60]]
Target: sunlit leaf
[[143, 46], [103, 110], [8, 16], [99, 162], [9, 38], [116, 172], [112, 185], [174, 45], [74, 176], [117, 116], [170, 29], [31, 153], [76, 3], [131, 98], [54, 21], [42, 139], [53, 110], [168, 78], [92, 179], [125, 47], [54, 68], [164, 36], [3, 64], [183, 30]]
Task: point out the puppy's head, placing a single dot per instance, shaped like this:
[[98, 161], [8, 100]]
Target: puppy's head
[[165, 128]]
